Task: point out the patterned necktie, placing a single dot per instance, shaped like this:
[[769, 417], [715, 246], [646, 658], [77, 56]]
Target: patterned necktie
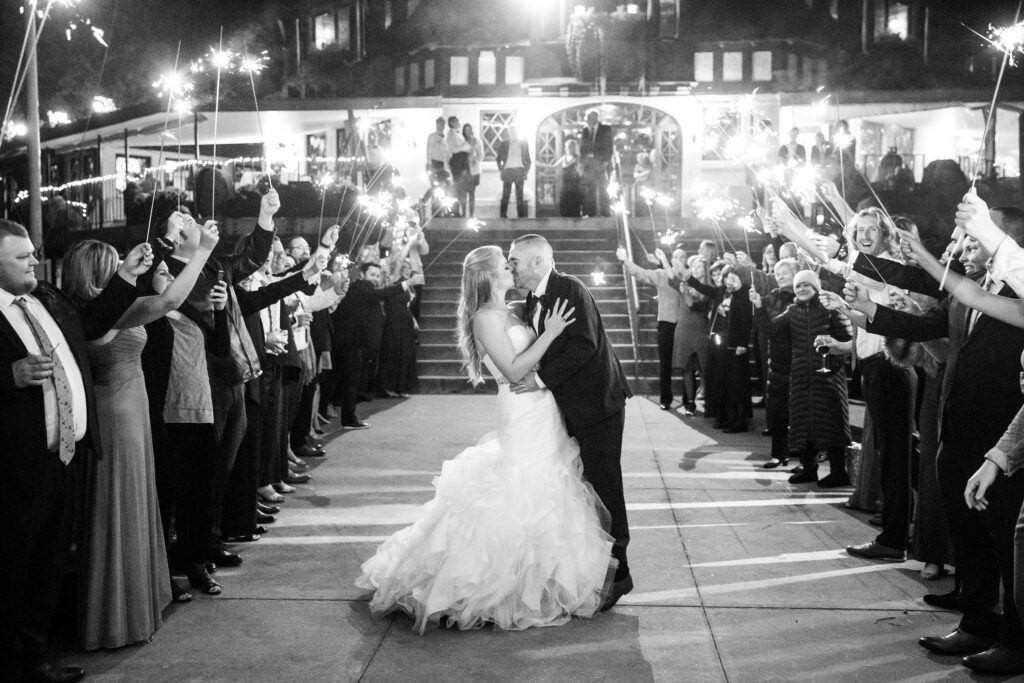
[[65, 415]]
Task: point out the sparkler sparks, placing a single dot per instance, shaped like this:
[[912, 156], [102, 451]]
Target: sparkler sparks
[[1008, 39], [174, 85], [253, 65], [598, 278]]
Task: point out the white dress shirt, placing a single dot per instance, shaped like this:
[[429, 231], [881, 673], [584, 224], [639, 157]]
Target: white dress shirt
[[437, 150], [62, 350]]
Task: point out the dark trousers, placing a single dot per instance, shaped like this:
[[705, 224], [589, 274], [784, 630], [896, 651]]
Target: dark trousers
[[601, 453], [191, 452], [229, 427], [666, 334], [303, 416], [809, 458], [887, 395], [510, 177], [272, 417], [37, 537], [349, 363], [239, 513], [780, 436], [983, 546], [291, 398]]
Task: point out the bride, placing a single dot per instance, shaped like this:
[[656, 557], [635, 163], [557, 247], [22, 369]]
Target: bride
[[514, 535]]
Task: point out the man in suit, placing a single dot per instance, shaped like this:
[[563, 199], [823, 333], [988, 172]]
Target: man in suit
[[48, 411], [583, 374], [596, 148], [793, 154], [979, 397], [358, 326], [513, 157]]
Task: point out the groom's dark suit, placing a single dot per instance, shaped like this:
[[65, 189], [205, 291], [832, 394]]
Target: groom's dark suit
[[583, 374], [39, 529]]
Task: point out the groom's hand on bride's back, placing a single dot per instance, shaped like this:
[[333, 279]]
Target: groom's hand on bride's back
[[527, 383]]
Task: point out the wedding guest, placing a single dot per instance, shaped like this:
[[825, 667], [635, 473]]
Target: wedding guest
[[597, 145], [397, 368], [690, 341], [513, 158], [126, 583], [458, 161], [476, 156], [43, 353], [570, 194]]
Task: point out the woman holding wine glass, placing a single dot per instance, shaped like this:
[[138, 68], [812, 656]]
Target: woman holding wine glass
[[818, 404]]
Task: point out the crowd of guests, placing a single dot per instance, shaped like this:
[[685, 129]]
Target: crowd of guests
[[159, 408], [938, 345]]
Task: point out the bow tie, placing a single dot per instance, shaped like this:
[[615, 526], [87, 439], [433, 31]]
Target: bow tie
[[532, 300]]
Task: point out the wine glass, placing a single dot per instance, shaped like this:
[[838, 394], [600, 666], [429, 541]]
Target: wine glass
[[822, 348]]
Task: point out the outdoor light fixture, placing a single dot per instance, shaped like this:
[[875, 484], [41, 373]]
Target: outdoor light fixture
[[103, 105], [57, 118]]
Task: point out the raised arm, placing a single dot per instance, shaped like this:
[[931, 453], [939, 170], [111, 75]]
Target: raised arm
[[257, 243], [489, 331], [646, 276], [149, 308]]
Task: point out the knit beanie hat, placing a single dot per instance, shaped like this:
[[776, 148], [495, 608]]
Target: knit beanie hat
[[808, 277]]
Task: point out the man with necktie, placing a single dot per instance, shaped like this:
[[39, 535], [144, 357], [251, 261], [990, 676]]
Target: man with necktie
[[47, 399]]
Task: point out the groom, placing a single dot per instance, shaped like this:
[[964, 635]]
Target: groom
[[583, 374]]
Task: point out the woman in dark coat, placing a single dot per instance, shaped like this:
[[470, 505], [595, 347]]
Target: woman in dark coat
[[397, 365], [780, 354], [818, 404], [732, 320]]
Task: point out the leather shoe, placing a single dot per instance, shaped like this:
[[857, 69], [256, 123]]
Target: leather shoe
[[945, 601], [355, 425], [874, 550], [999, 660], [296, 478], [57, 673], [264, 519], [775, 462], [267, 494], [309, 452], [267, 509], [242, 538], [956, 643], [282, 487], [834, 480], [664, 406], [618, 589], [803, 477], [225, 558]]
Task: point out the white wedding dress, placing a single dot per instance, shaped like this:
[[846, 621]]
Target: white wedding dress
[[513, 536]]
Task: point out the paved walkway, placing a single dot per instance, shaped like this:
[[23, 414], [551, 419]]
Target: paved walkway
[[739, 576]]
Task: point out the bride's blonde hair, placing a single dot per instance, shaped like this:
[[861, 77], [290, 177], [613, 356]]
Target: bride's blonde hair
[[478, 274]]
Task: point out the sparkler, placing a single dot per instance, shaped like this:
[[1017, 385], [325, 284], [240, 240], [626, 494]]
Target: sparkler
[[171, 94], [598, 278], [1008, 40], [222, 60], [252, 66]]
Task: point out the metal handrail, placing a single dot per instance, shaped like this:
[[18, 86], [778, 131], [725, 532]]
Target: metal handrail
[[632, 294]]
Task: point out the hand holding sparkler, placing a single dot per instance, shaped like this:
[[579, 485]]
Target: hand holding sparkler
[[832, 301], [269, 205], [209, 235], [277, 246], [856, 295], [330, 237], [754, 297], [137, 262], [972, 216], [621, 254]]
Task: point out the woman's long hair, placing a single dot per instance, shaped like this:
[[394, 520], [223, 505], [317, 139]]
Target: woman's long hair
[[87, 268], [478, 271]]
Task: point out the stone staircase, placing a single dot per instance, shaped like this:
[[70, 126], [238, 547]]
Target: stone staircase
[[581, 248]]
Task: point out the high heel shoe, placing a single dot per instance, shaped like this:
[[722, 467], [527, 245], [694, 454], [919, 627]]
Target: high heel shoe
[[268, 494], [178, 593], [775, 462], [282, 487], [200, 579]]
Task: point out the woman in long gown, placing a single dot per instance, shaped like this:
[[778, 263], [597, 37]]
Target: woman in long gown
[[126, 581], [513, 535]]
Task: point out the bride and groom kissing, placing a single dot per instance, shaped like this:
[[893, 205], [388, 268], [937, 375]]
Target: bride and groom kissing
[[528, 527]]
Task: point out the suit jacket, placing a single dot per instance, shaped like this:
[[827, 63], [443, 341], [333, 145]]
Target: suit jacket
[[600, 145], [580, 367], [901, 275], [524, 153], [801, 154], [980, 388], [359, 318], [23, 419]]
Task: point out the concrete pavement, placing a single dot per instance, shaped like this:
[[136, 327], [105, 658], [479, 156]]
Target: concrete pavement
[[739, 575]]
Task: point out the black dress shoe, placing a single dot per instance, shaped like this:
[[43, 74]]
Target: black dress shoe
[[834, 480], [355, 425], [309, 452], [225, 559], [57, 673], [259, 530], [267, 509], [804, 476], [999, 661], [264, 519], [242, 538], [874, 550], [664, 406], [619, 588], [296, 478], [956, 643], [945, 601], [775, 462]]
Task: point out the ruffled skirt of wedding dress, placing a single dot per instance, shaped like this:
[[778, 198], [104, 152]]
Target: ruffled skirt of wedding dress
[[513, 536]]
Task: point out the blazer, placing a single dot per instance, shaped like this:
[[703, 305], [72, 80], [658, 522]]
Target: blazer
[[600, 145], [980, 388], [359, 318], [580, 367], [23, 418], [524, 152]]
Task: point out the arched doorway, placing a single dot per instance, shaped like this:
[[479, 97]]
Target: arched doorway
[[644, 137]]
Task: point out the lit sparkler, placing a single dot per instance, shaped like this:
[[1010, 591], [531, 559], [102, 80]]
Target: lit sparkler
[[598, 278]]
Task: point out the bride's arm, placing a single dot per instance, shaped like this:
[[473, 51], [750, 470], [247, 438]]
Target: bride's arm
[[489, 330]]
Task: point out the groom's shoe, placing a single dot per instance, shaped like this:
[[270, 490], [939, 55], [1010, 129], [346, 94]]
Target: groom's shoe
[[619, 588]]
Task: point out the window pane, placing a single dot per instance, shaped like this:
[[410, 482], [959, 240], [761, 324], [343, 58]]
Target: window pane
[[763, 65], [732, 66], [514, 67], [669, 20], [400, 80], [487, 68], [493, 125], [428, 73], [323, 30], [459, 67], [414, 76], [704, 67]]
